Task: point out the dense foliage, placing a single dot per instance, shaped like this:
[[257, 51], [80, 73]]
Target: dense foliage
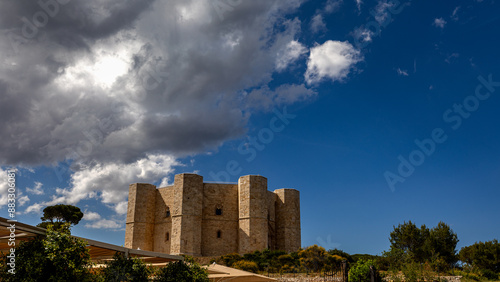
[[410, 244], [55, 257], [421, 254], [310, 259], [246, 266], [125, 269], [483, 258], [133, 269], [59, 214], [181, 271], [360, 271]]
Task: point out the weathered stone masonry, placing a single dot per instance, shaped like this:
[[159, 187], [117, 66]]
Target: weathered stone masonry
[[209, 219]]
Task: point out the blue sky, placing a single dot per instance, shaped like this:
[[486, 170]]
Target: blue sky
[[379, 112]]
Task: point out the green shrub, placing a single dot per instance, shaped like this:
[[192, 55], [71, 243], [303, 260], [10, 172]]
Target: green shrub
[[360, 271], [313, 258], [125, 269], [467, 276], [181, 271], [489, 274], [230, 259], [55, 257], [247, 266]]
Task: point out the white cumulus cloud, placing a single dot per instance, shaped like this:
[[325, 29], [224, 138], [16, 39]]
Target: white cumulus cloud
[[4, 187], [439, 22], [121, 207], [22, 199], [333, 60], [109, 182], [35, 208], [91, 216], [363, 34], [289, 54], [317, 23], [104, 224], [37, 189]]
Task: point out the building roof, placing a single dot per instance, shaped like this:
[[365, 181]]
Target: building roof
[[219, 273], [98, 250]]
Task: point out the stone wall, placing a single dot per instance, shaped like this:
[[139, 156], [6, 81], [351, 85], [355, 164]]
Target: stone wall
[[163, 221], [220, 232]]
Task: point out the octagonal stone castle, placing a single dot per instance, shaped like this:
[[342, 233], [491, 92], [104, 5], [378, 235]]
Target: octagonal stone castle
[[211, 219]]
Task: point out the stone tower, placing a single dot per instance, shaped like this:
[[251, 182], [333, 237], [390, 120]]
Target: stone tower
[[212, 219], [253, 210], [187, 214], [287, 219], [140, 216]]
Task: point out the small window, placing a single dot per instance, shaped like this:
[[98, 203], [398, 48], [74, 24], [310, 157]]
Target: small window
[[218, 210], [167, 236], [167, 213], [218, 234]]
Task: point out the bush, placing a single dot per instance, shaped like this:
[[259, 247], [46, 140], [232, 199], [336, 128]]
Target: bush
[[412, 272], [247, 266], [342, 254], [230, 259], [467, 276], [181, 271], [360, 271], [313, 258], [490, 275], [125, 269]]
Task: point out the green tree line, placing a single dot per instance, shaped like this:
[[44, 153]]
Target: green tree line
[[417, 253]]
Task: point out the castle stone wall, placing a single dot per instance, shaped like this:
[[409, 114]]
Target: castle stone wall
[[163, 223], [225, 197]]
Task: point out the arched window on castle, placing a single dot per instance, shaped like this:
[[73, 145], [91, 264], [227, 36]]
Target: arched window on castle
[[167, 236], [219, 233], [218, 210], [167, 212]]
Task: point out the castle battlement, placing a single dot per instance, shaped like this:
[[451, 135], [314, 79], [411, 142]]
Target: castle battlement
[[212, 219]]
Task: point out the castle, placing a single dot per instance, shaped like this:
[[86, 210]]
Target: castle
[[211, 219]]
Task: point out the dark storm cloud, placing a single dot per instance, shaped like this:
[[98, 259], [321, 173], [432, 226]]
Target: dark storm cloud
[[87, 19], [180, 70]]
